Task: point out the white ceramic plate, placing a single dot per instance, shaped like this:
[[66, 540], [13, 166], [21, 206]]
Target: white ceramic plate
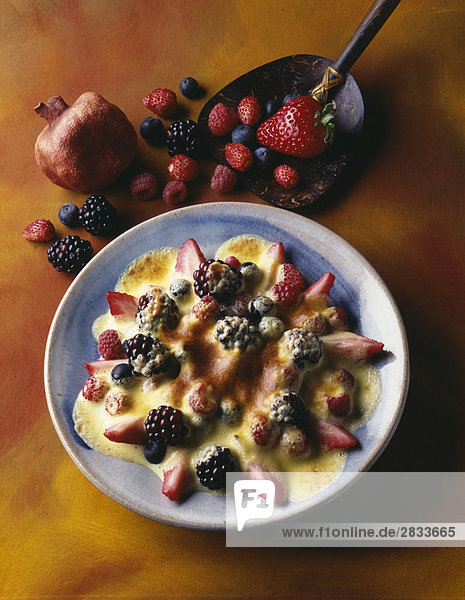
[[311, 247]]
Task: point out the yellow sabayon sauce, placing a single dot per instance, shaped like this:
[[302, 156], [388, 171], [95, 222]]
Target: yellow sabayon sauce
[[230, 371]]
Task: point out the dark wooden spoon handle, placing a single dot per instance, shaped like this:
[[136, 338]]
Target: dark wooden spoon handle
[[378, 14]]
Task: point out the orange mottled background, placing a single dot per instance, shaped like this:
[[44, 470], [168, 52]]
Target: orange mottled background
[[401, 205]]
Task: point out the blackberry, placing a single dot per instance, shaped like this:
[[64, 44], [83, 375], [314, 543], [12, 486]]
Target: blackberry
[[213, 464], [184, 137], [261, 306], [97, 215], [216, 278], [303, 346], [179, 288], [288, 409], [165, 425], [147, 355], [236, 333], [155, 311], [122, 374], [70, 253], [154, 452]]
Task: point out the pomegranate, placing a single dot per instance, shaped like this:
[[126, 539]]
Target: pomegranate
[[86, 146]]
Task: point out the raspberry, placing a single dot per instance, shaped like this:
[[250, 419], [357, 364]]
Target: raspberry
[[236, 333], [303, 346], [70, 253], [175, 192], [207, 309], [336, 317], [249, 110], [240, 306], [216, 278], [213, 464], [294, 442], [117, 403], [232, 261], [41, 230], [290, 274], [147, 355], [224, 180], [290, 378], [339, 405], [97, 215], [183, 137], [162, 102], [94, 389], [201, 399], [288, 408], [285, 293], [222, 119], [109, 345], [143, 186], [286, 176], [156, 311], [239, 157], [165, 425], [183, 168], [264, 432]]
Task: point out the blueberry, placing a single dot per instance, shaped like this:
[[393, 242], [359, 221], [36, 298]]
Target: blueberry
[[154, 452], [189, 87], [243, 134], [179, 288], [122, 373], [152, 130], [271, 107], [290, 97], [264, 158], [261, 306], [251, 274], [69, 215]]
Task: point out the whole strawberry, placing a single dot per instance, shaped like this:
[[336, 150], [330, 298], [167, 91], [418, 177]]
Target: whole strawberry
[[239, 157], [223, 180], [41, 230], [183, 168], [249, 111], [222, 119], [286, 176], [162, 102], [301, 128]]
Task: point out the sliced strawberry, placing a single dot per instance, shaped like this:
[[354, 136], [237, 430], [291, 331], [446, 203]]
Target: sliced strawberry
[[259, 471], [121, 304], [127, 431], [176, 481], [331, 436], [350, 345], [102, 365], [322, 287], [277, 253], [275, 257], [189, 258]]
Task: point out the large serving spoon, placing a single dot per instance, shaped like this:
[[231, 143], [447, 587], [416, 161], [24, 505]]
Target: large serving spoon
[[305, 74]]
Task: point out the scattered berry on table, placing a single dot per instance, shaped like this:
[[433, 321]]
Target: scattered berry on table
[[109, 345], [206, 309], [155, 452], [271, 106], [162, 102], [286, 176], [147, 355], [152, 131], [202, 400], [290, 97], [294, 442], [264, 158], [183, 168], [285, 293], [69, 215], [184, 137], [249, 110], [261, 306], [288, 408], [175, 193], [222, 119], [336, 317], [236, 333], [94, 389], [156, 311], [70, 253], [232, 261], [189, 87], [165, 425], [97, 215], [239, 157], [303, 346], [291, 274], [41, 230], [264, 431], [143, 186], [213, 464], [217, 279], [122, 374], [251, 273], [339, 405], [271, 328], [223, 180], [117, 402], [244, 134], [230, 411], [179, 288]]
